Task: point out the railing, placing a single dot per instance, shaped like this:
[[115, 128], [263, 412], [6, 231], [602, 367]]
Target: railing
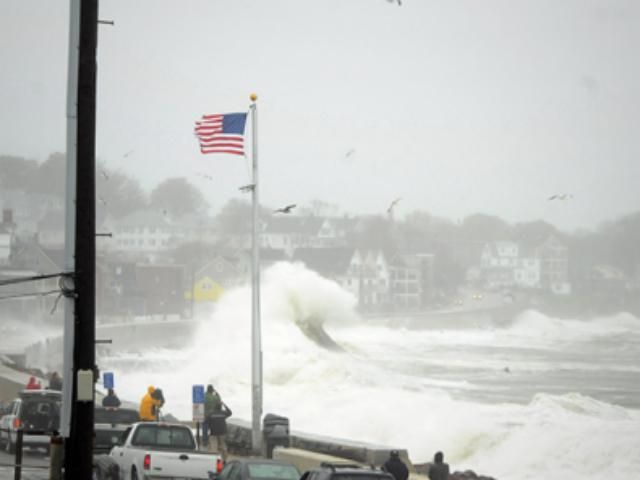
[[17, 465]]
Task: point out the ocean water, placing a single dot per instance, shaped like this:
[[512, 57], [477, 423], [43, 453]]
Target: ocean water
[[536, 398]]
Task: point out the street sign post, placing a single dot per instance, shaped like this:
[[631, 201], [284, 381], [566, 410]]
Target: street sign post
[[197, 394], [108, 380]]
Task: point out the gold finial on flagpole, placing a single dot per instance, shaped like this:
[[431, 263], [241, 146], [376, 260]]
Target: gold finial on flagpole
[[253, 97]]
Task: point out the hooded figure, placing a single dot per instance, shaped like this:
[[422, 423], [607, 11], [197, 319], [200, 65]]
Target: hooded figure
[[438, 469], [216, 413], [111, 400], [33, 384], [395, 466], [55, 382], [149, 405]]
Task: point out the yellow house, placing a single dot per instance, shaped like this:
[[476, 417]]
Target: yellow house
[[205, 289], [214, 278]]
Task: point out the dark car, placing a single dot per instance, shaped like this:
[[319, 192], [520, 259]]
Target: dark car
[[344, 471], [109, 424], [258, 469], [37, 413]]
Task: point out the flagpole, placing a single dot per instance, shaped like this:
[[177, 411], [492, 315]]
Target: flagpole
[[256, 342]]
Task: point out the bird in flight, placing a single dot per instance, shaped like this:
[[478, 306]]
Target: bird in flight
[[399, 2], [104, 174], [393, 204], [204, 175], [349, 153], [563, 196], [286, 209], [127, 154]]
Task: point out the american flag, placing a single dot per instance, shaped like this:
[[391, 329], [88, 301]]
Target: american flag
[[221, 133]]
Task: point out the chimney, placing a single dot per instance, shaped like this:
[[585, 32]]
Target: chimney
[[7, 216]]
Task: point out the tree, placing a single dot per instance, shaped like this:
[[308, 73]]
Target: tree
[[178, 197], [118, 193], [534, 233], [624, 243], [51, 176], [236, 217], [375, 232], [16, 172], [484, 228]]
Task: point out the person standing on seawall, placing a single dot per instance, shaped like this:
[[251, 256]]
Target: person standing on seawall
[[395, 466], [438, 469]]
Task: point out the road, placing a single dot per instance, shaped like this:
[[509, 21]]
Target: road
[[30, 458]]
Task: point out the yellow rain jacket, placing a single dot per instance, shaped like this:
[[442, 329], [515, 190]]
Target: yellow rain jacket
[[149, 406]]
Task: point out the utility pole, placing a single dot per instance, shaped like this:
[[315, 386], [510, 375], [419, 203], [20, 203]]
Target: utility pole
[[79, 444]]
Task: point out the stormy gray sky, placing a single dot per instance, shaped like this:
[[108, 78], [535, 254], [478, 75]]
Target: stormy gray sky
[[457, 106]]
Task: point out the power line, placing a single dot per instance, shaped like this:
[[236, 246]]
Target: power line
[[26, 295], [33, 278]]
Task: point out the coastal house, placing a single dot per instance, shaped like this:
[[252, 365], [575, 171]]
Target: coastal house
[[142, 234], [288, 233], [364, 273], [28, 208], [543, 267], [209, 282], [28, 259], [6, 237], [554, 266], [498, 263], [412, 281], [132, 288], [526, 273], [51, 229]]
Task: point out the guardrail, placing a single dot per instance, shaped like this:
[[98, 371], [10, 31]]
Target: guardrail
[[17, 465]]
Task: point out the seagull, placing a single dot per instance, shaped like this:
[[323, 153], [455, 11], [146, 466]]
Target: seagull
[[349, 153], [399, 2], [246, 188], [204, 175], [286, 209], [104, 174], [127, 154], [393, 204], [564, 196], [102, 200]]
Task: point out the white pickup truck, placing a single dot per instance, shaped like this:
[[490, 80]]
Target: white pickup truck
[[157, 450]]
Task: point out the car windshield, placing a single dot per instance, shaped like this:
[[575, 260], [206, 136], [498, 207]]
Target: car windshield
[[273, 471], [161, 436]]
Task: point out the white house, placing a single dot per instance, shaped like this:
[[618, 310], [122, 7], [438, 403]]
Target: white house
[[505, 264], [366, 274], [141, 232], [527, 273], [5, 246], [498, 264]]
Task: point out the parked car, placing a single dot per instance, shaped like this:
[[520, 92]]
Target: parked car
[[161, 450], [37, 412], [258, 469], [109, 425], [344, 471]]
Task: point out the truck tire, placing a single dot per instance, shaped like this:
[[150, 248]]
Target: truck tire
[[106, 468]]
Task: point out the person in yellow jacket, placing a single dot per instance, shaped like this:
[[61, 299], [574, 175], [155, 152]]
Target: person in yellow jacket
[[150, 404]]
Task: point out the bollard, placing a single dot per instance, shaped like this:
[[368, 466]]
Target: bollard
[[56, 457], [17, 471]]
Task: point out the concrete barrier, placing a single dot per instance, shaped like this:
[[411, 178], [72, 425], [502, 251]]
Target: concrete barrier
[[306, 460], [303, 459]]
